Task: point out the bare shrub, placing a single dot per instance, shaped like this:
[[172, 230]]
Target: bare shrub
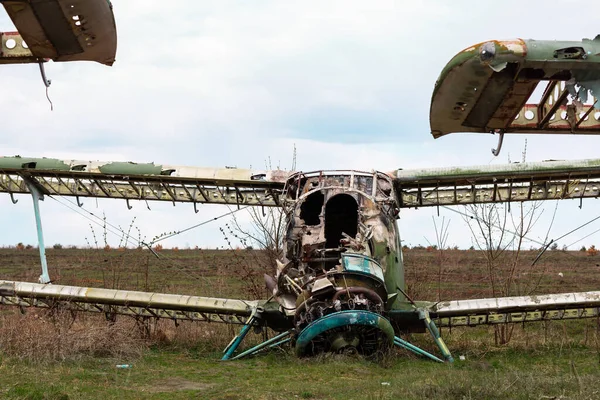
[[250, 264], [592, 251], [203, 336], [195, 337], [501, 235]]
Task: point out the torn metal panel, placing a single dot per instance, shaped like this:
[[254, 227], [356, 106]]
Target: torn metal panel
[[65, 30], [486, 87], [342, 256], [550, 180], [342, 248], [142, 181]]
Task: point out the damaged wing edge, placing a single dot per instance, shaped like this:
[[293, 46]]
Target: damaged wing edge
[[33, 166], [517, 309], [487, 87], [60, 30]]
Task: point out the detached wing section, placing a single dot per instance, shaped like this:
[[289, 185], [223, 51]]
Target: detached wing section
[[486, 88], [517, 309], [61, 30], [548, 180], [135, 181]]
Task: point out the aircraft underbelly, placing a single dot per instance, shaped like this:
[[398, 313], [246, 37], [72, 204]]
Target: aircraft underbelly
[[61, 30]]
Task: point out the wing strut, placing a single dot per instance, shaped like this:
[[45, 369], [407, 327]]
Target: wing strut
[[37, 195]]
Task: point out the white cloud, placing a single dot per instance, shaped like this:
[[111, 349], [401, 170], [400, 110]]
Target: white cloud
[[228, 83]]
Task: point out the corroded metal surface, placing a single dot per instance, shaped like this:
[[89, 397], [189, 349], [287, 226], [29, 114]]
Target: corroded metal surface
[[346, 331], [64, 30], [138, 181], [342, 230], [517, 309], [14, 50], [486, 87], [126, 302], [551, 180]]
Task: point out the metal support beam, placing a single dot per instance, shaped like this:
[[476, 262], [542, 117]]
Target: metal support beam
[[171, 189], [274, 341], [435, 333], [36, 195], [236, 341], [411, 347]]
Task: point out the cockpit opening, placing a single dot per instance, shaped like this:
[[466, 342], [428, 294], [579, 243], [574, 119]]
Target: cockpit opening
[[311, 208], [341, 216]]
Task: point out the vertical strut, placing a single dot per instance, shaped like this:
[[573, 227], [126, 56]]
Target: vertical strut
[[37, 196], [435, 333], [235, 342]]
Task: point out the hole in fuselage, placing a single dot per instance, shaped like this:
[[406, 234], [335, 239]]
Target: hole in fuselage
[[311, 208], [341, 216]]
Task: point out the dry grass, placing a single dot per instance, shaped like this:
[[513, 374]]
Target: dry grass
[[54, 335], [41, 335]]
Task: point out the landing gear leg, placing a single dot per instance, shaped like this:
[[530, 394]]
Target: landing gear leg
[[435, 333]]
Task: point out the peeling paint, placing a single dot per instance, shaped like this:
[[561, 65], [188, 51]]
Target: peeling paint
[[486, 88], [341, 228], [63, 30]]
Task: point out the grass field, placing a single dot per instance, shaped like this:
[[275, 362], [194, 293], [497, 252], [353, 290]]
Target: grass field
[[61, 357]]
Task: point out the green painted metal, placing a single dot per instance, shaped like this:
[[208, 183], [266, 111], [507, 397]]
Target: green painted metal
[[37, 196], [339, 319], [274, 341], [235, 343], [363, 264], [435, 333], [481, 172], [485, 88], [281, 342], [411, 347], [22, 163], [126, 168]]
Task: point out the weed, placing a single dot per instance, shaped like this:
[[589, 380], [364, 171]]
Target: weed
[[49, 335]]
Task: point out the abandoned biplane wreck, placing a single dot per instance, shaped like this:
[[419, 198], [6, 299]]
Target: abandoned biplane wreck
[[340, 284]]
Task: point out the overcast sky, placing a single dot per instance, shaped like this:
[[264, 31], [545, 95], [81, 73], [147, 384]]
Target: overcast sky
[[222, 83]]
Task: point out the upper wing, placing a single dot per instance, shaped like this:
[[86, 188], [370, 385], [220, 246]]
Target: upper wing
[[548, 180], [135, 181], [61, 30], [485, 88]]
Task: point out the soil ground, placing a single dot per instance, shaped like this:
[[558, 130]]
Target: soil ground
[[453, 274]]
